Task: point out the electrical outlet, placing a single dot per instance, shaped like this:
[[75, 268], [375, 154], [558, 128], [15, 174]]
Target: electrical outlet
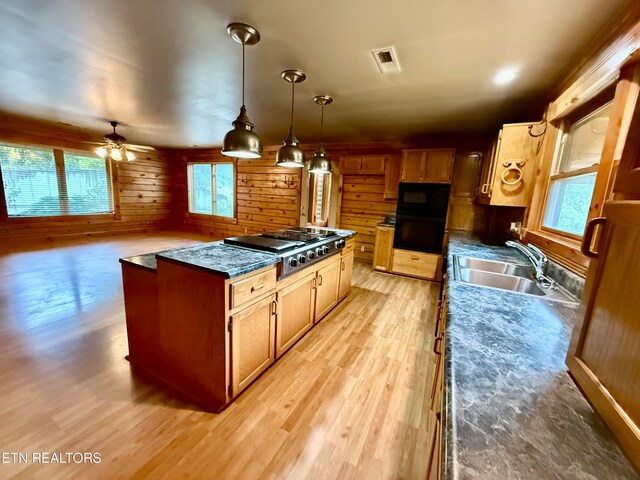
[[362, 248]]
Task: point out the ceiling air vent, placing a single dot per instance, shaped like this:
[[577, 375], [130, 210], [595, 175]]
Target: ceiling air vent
[[386, 59]]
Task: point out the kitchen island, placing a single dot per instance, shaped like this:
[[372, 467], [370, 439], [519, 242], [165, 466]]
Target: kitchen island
[[208, 320]]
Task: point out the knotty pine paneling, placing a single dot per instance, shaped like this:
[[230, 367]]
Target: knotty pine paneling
[[362, 207], [267, 197], [144, 188]]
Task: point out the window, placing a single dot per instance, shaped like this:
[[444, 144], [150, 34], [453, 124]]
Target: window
[[40, 183], [573, 178], [319, 198], [211, 188]]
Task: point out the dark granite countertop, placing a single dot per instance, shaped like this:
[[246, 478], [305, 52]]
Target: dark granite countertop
[[146, 261], [511, 409], [220, 259], [216, 257]]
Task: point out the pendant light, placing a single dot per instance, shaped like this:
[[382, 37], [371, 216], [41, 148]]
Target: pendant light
[[320, 162], [242, 141], [289, 154]]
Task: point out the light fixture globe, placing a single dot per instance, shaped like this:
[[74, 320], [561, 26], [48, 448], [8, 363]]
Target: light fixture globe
[[242, 141], [320, 163], [289, 154]]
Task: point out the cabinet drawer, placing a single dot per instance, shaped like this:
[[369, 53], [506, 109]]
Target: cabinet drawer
[[252, 288], [349, 246], [416, 264]]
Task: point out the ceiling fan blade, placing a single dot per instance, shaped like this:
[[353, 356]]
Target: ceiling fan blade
[[142, 148]]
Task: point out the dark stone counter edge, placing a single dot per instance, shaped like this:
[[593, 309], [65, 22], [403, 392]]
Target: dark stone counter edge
[[145, 262], [248, 268]]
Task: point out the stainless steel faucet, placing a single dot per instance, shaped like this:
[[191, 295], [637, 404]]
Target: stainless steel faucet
[[535, 255]]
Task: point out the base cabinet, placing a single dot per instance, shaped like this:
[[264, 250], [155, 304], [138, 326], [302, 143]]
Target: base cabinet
[[296, 306], [383, 249], [346, 269], [327, 288], [417, 264], [252, 342]]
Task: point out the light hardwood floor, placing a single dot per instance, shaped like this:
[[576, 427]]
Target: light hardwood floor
[[350, 400]]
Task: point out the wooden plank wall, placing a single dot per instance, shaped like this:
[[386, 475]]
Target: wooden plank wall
[[144, 186], [267, 197], [362, 208]]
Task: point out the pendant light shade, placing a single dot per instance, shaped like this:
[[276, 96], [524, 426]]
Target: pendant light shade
[[289, 154], [320, 162], [242, 141]]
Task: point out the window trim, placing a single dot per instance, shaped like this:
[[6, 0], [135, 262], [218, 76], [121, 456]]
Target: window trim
[[189, 186], [313, 200], [58, 154], [564, 247]]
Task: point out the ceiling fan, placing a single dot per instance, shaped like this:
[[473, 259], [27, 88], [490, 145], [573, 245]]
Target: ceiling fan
[[114, 146]]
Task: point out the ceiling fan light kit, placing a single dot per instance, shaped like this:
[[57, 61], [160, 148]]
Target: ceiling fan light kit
[[242, 141], [320, 162], [290, 154], [114, 146]]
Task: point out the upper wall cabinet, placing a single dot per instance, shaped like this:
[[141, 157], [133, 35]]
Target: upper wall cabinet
[[427, 166], [509, 170], [387, 165], [362, 165]]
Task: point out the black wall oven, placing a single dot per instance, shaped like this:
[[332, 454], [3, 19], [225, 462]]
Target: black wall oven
[[421, 216], [419, 234]]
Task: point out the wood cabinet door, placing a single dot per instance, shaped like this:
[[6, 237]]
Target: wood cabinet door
[[604, 354], [391, 177], [296, 304], [327, 288], [383, 249], [252, 342], [350, 165], [346, 268], [412, 165], [373, 165], [439, 166]]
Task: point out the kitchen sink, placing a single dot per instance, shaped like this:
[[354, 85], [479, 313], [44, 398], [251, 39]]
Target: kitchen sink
[[498, 280], [504, 268], [506, 276]]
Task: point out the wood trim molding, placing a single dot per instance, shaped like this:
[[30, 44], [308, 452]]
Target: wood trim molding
[[564, 251], [601, 72]]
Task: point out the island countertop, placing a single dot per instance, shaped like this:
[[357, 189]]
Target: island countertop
[[216, 257], [511, 410]]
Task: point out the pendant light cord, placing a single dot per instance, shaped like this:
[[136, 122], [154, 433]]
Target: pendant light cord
[[321, 123], [293, 97], [243, 74]]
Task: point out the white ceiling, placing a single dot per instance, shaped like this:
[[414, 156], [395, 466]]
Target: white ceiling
[[168, 70]]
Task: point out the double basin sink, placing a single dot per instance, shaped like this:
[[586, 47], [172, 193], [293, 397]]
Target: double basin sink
[[505, 276]]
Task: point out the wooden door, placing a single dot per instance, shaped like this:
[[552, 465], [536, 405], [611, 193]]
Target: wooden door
[[604, 354], [296, 305], [372, 165], [628, 177], [252, 342], [350, 165], [383, 249], [391, 177], [327, 288], [412, 165], [346, 268], [439, 166]]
